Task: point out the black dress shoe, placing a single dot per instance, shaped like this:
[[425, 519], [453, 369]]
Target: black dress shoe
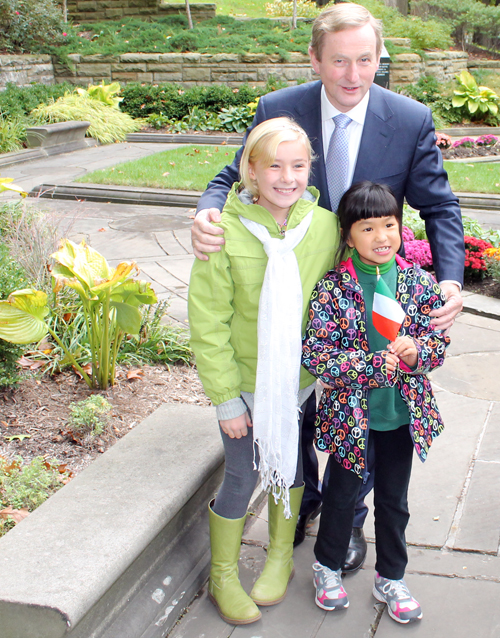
[[356, 553], [303, 522]]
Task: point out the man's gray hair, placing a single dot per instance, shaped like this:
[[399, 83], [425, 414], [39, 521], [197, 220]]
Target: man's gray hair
[[340, 17]]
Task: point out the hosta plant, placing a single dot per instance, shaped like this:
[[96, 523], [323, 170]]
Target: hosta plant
[[110, 299], [478, 100]]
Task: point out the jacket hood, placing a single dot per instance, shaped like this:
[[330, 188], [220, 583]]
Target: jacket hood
[[240, 203]]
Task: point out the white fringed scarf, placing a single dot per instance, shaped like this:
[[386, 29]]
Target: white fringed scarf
[[279, 329]]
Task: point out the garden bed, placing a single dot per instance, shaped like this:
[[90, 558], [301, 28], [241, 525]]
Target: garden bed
[[35, 414]]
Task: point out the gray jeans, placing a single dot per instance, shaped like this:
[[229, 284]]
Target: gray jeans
[[240, 478]]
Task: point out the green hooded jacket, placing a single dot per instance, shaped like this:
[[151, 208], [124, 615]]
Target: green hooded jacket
[[224, 291]]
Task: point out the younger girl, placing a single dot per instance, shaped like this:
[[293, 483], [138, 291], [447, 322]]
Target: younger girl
[[377, 399], [247, 312]]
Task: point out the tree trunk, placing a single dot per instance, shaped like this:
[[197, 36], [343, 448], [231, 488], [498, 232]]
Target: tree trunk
[[188, 12], [400, 5], [294, 15]]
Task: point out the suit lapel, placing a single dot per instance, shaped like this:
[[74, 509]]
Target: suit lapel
[[308, 111], [377, 136]]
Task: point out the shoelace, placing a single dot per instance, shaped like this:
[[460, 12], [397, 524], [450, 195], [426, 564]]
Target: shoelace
[[332, 578], [399, 588]]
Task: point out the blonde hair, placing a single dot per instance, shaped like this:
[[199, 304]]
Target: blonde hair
[[340, 17], [262, 146]]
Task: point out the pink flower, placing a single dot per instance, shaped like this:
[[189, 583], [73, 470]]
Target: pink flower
[[65, 34], [408, 234], [418, 251], [17, 13]]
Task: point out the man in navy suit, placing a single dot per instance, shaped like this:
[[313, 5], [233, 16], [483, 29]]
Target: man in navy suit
[[391, 140]]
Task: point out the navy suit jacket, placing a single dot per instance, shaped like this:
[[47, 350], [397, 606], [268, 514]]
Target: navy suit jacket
[[397, 148]]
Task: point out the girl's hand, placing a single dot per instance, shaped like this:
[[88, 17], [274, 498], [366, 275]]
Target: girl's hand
[[237, 427], [391, 362], [405, 349]]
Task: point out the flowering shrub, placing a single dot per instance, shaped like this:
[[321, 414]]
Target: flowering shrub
[[468, 142], [408, 234], [475, 264], [492, 259], [486, 140], [418, 251], [28, 24], [443, 141]]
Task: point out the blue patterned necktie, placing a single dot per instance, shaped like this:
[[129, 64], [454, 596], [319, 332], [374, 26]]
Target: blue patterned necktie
[[337, 160]]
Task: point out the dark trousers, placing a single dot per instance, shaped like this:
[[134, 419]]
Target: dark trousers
[[312, 485], [393, 452]]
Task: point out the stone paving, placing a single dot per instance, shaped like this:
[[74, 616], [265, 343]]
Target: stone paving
[[454, 530]]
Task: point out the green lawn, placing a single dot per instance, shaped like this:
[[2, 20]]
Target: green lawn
[[238, 8], [185, 168], [474, 177]]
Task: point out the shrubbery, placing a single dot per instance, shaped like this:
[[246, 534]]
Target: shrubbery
[[174, 102], [26, 25]]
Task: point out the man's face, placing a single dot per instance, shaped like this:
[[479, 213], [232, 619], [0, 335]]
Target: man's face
[[348, 64]]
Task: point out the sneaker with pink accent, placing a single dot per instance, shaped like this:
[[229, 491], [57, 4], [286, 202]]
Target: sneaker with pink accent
[[330, 594], [401, 605]]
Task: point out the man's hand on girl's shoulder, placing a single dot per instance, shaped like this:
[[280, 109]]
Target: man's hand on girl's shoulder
[[205, 237]]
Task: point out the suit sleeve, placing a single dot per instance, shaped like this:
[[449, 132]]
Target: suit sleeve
[[325, 358], [428, 190]]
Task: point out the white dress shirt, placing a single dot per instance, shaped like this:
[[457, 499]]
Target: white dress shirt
[[354, 130]]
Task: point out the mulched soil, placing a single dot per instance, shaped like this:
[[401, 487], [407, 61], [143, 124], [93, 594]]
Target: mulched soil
[[39, 408], [462, 152], [487, 287]]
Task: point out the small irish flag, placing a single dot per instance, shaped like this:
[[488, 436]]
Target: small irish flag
[[387, 314]]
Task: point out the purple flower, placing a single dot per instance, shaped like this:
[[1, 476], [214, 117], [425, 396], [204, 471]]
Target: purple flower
[[468, 142], [486, 140], [408, 234], [418, 251]]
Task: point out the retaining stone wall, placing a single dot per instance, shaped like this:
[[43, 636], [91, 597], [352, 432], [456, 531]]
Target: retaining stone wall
[[99, 10], [24, 69], [191, 69]]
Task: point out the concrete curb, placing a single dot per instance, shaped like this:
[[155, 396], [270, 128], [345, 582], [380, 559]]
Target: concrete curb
[[181, 138], [122, 549], [475, 131], [481, 305], [32, 154], [117, 194]]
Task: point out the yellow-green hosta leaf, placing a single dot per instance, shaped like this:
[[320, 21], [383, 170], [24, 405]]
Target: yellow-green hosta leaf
[[467, 80], [134, 293], [458, 100], [7, 185], [128, 318], [22, 316], [84, 262], [116, 277], [493, 109]]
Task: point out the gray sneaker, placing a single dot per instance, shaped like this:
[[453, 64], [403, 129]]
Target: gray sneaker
[[330, 594], [401, 605]]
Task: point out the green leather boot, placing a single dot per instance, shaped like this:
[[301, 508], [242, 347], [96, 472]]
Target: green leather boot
[[270, 588], [224, 588]]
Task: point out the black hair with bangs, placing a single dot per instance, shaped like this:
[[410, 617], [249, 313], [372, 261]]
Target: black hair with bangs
[[364, 200]]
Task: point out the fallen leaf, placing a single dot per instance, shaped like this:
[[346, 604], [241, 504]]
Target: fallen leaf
[[102, 230], [223, 143], [196, 150], [16, 515], [20, 437], [135, 373], [7, 425], [172, 163], [165, 174]]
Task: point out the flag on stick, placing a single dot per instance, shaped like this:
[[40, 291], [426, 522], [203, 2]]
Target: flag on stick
[[387, 315]]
